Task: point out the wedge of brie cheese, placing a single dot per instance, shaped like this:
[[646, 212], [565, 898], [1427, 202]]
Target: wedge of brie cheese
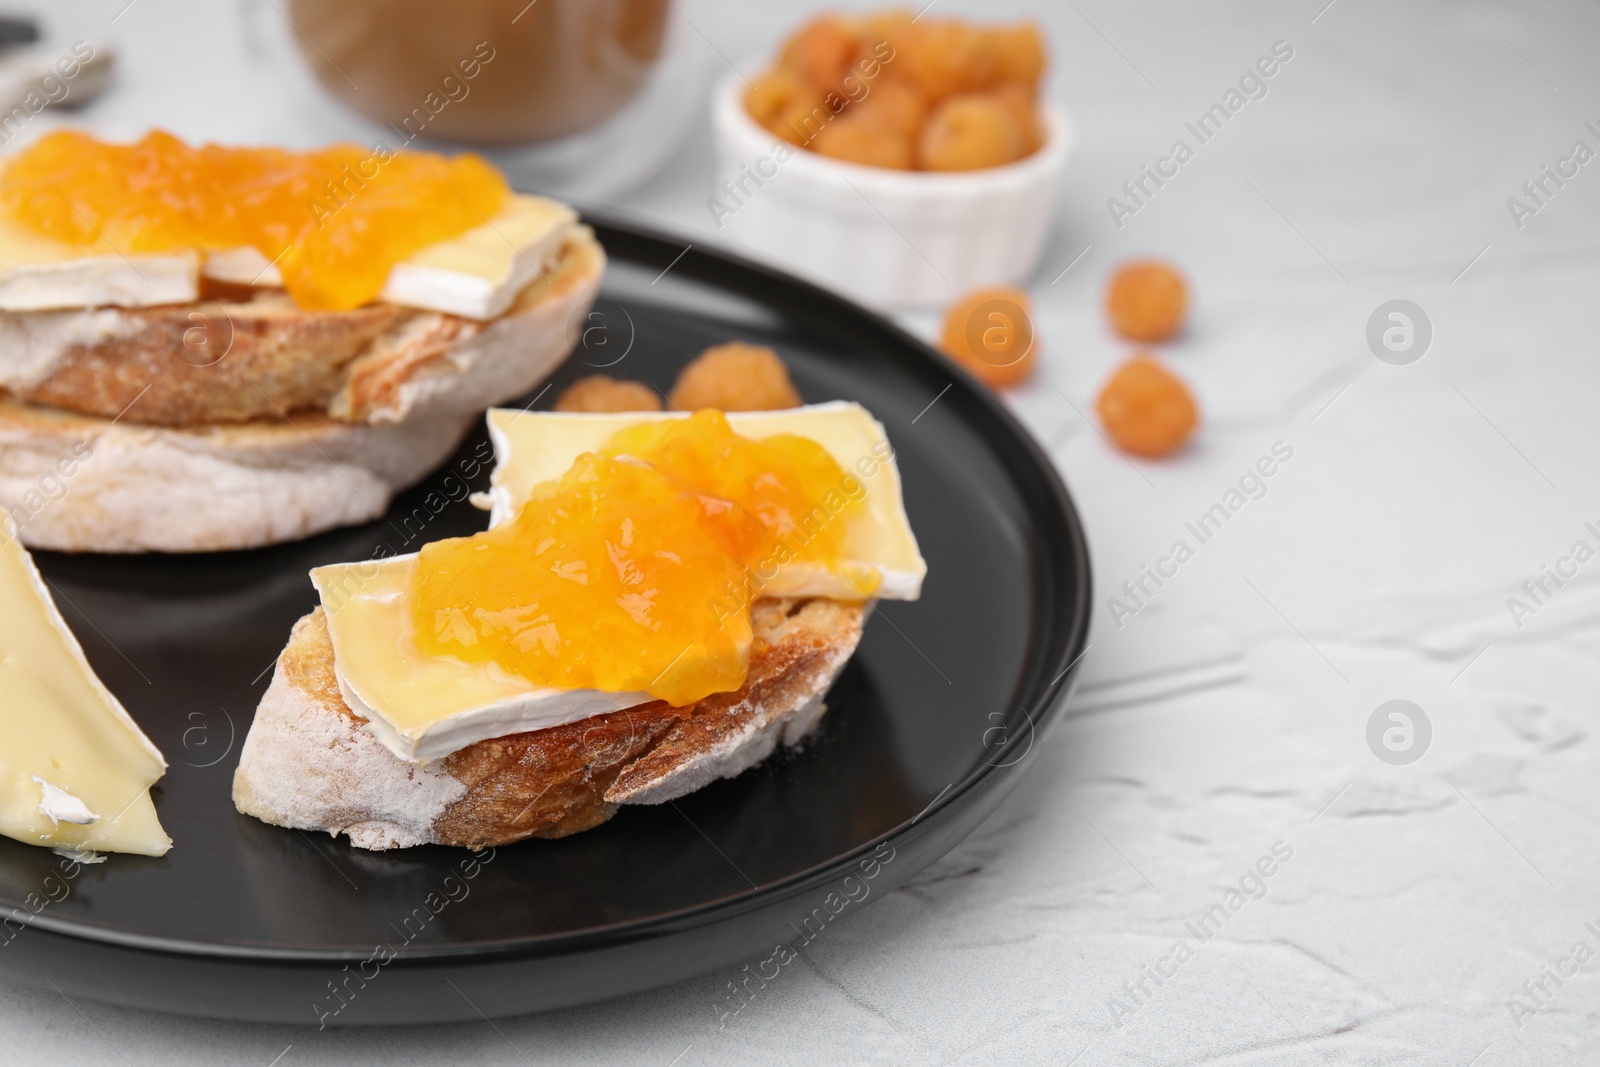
[[424, 707], [75, 770], [534, 447], [477, 275]]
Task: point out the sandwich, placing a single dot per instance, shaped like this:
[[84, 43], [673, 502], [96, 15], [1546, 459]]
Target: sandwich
[[661, 600], [75, 770], [208, 348]]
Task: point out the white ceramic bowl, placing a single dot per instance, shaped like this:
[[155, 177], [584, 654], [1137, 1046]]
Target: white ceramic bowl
[[883, 237]]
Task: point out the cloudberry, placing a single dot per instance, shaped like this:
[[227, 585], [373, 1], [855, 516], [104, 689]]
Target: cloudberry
[[1146, 300], [990, 333], [1146, 409]]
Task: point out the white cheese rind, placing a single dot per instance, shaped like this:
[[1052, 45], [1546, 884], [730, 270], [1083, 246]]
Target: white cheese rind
[[75, 769], [479, 274], [39, 273], [242, 266], [99, 281], [518, 713]]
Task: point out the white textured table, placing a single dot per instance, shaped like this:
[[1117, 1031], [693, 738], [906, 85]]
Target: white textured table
[[1427, 913]]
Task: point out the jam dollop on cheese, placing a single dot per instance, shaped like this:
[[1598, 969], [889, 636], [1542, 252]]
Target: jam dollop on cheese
[[335, 220], [634, 572]]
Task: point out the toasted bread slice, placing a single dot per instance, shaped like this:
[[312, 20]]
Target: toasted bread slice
[[309, 764], [251, 355], [81, 483]]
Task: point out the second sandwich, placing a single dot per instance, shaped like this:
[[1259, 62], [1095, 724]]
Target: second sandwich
[[661, 600], [210, 347]]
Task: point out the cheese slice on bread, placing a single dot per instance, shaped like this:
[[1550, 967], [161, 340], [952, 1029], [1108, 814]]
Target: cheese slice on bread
[[882, 559], [422, 707], [38, 273], [476, 275], [256, 355]]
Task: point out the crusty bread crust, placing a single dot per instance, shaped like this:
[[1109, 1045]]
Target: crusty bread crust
[[246, 355], [76, 484], [80, 483], [309, 764]]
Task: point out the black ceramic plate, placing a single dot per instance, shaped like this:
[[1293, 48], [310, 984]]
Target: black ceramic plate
[[929, 726]]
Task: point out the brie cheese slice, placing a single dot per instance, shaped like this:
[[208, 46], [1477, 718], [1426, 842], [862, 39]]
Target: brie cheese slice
[[532, 447], [477, 275], [75, 770], [424, 707], [37, 273]]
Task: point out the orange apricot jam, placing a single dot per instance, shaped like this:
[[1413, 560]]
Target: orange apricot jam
[[635, 570], [335, 220]]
